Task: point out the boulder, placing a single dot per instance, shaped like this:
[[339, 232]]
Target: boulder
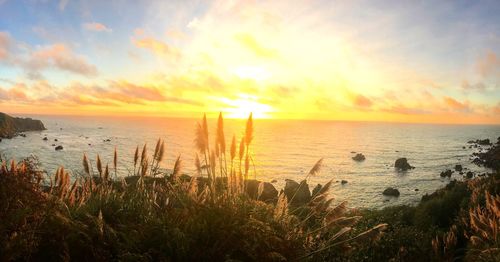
[[57, 148], [269, 192], [446, 173], [469, 175], [402, 164], [391, 192], [359, 157], [343, 182], [45, 139], [458, 168], [297, 194]]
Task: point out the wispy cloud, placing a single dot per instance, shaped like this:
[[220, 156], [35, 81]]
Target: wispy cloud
[[34, 60], [97, 27], [488, 65], [158, 47]]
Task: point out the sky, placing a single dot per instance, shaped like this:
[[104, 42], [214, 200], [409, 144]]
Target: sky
[[396, 61]]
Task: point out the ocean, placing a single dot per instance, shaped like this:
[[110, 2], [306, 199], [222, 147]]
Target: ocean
[[282, 149]]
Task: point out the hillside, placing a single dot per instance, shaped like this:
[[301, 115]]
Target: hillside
[[10, 126]]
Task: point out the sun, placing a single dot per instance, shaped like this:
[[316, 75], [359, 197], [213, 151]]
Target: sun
[[244, 105]]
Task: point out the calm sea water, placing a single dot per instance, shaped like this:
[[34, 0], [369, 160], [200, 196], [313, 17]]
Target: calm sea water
[[282, 150]]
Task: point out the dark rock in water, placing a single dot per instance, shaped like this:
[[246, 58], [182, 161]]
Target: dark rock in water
[[343, 182], [461, 173], [483, 142], [416, 189], [53, 144], [402, 164], [353, 152], [296, 193], [0, 140], [55, 140], [45, 139], [446, 173], [359, 157], [59, 148], [477, 161], [10, 126], [463, 147], [22, 135], [391, 192], [268, 194], [469, 174], [458, 168], [107, 140]]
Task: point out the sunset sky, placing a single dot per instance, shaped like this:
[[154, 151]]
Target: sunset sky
[[404, 61]]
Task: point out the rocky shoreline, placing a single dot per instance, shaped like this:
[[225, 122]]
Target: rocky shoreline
[[12, 126]]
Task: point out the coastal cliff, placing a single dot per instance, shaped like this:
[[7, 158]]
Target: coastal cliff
[[10, 126]]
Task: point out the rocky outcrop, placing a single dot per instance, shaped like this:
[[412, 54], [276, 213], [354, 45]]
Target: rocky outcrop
[[490, 158], [268, 194], [402, 164], [391, 192], [482, 142], [10, 126], [297, 194]]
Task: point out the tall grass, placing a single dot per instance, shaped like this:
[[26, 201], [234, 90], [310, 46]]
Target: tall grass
[[154, 214]]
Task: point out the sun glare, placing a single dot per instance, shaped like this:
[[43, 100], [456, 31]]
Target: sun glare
[[244, 105], [252, 72]]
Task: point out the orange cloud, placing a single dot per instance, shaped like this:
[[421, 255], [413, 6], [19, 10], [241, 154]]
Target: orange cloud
[[488, 65], [61, 57], [98, 27], [5, 43], [456, 105], [158, 47], [362, 101]]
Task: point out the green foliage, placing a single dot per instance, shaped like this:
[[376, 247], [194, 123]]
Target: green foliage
[[442, 207]]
